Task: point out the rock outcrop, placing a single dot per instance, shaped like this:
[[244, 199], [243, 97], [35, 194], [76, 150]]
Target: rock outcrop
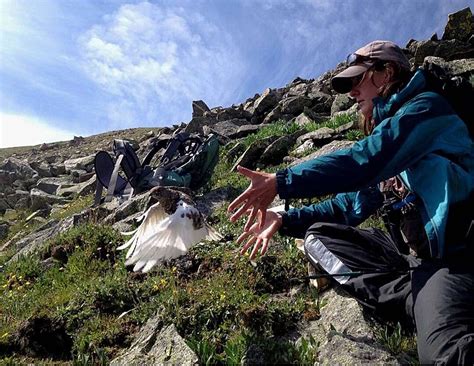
[[49, 176]]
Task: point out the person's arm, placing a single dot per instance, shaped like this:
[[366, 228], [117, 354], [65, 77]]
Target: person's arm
[[396, 143], [345, 208]]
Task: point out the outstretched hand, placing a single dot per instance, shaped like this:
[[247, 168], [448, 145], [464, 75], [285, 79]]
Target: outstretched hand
[[256, 198], [260, 237]]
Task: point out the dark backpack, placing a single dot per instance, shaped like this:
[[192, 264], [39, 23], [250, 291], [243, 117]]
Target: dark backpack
[[188, 161], [456, 89]]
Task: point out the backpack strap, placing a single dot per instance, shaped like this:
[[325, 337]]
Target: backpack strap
[[156, 147], [104, 168], [113, 179], [130, 163]]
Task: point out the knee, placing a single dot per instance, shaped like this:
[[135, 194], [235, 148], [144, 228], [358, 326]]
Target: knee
[[446, 349], [319, 229]]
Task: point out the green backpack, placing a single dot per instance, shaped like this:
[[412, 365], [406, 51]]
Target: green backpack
[[188, 161]]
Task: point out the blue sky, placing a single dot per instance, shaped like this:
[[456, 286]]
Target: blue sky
[[81, 67]]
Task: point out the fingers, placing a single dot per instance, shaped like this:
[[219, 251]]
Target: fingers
[[248, 245], [264, 246], [255, 248], [238, 201], [235, 203], [243, 236], [251, 218], [256, 242], [261, 217], [247, 172], [240, 211]]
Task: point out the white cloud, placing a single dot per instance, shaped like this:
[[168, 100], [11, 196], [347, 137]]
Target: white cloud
[[20, 130], [154, 61]]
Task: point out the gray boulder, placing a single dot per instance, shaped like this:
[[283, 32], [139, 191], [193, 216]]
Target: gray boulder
[[344, 336], [326, 149], [246, 130], [276, 151], [251, 155], [295, 105], [460, 25], [233, 113], [449, 50], [18, 199], [197, 123], [266, 102], [463, 67], [341, 102], [229, 128], [85, 163], [17, 172], [79, 189], [274, 115], [43, 169], [199, 108], [42, 200], [52, 184], [319, 137], [303, 119], [4, 229], [157, 344]]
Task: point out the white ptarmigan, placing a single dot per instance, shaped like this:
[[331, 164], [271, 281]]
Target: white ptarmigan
[[168, 229]]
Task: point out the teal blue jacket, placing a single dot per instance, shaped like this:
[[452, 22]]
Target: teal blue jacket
[[418, 137]]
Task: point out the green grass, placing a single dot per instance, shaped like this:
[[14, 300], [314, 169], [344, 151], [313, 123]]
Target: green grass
[[226, 309], [398, 342], [227, 302]]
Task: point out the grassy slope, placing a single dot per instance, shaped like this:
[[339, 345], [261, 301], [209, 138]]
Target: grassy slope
[[219, 302]]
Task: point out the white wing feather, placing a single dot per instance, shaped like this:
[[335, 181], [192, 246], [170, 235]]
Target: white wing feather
[[161, 236]]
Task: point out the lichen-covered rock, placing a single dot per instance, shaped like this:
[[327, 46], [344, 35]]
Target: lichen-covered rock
[[84, 163], [319, 137], [449, 50], [157, 344], [199, 108], [460, 25], [41, 200], [266, 102], [454, 68], [345, 336], [326, 149], [252, 154], [51, 185], [341, 102]]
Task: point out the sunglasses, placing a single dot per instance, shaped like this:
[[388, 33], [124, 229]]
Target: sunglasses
[[353, 59], [357, 80]]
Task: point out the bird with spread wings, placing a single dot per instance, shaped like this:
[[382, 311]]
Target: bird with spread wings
[[168, 229]]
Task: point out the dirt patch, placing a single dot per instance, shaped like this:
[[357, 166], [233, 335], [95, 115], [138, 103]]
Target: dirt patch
[[43, 337]]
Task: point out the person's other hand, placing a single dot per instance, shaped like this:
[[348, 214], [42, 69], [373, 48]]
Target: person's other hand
[[260, 237], [256, 198]]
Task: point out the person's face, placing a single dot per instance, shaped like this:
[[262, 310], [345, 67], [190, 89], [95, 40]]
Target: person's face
[[365, 88]]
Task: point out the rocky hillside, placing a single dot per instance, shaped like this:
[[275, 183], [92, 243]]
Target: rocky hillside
[[50, 237]]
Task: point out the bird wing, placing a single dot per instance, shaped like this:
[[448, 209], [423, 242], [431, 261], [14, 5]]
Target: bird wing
[[161, 236]]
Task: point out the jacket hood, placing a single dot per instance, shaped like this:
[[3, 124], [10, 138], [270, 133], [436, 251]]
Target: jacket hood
[[387, 107]]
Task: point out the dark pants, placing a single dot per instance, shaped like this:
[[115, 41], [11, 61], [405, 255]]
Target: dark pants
[[437, 297]]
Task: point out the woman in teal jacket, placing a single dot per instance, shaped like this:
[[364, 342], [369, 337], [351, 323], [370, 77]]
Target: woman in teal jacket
[[417, 161]]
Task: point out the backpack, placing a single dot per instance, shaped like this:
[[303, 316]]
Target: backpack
[[188, 161], [458, 91]]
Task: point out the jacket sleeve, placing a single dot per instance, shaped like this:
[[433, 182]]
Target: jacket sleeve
[[396, 143], [345, 208]]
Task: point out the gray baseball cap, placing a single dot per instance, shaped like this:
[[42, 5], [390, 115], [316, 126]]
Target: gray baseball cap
[[364, 58]]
